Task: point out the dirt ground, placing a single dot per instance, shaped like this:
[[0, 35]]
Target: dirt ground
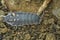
[[49, 29]]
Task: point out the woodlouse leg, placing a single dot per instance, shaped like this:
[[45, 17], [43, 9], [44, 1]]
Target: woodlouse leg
[[43, 6]]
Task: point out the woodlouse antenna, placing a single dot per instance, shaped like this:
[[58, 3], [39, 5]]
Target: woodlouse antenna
[[43, 6]]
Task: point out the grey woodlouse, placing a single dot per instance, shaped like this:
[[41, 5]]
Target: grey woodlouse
[[22, 18]]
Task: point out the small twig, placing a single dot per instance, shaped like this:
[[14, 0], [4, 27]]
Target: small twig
[[44, 5]]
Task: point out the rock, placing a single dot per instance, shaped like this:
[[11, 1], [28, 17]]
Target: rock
[[56, 12], [2, 12], [45, 22], [1, 15], [27, 36], [51, 21], [3, 28], [50, 36]]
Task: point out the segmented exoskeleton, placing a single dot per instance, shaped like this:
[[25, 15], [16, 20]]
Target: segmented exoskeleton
[[22, 18]]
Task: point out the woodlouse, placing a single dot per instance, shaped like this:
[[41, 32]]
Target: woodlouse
[[22, 18]]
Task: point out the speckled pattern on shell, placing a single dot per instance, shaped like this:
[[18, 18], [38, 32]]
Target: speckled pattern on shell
[[21, 18]]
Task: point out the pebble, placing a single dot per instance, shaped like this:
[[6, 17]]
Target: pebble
[[51, 21], [56, 12], [27, 36], [1, 14], [50, 36]]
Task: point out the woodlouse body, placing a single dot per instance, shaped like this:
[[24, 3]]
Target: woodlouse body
[[22, 18]]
